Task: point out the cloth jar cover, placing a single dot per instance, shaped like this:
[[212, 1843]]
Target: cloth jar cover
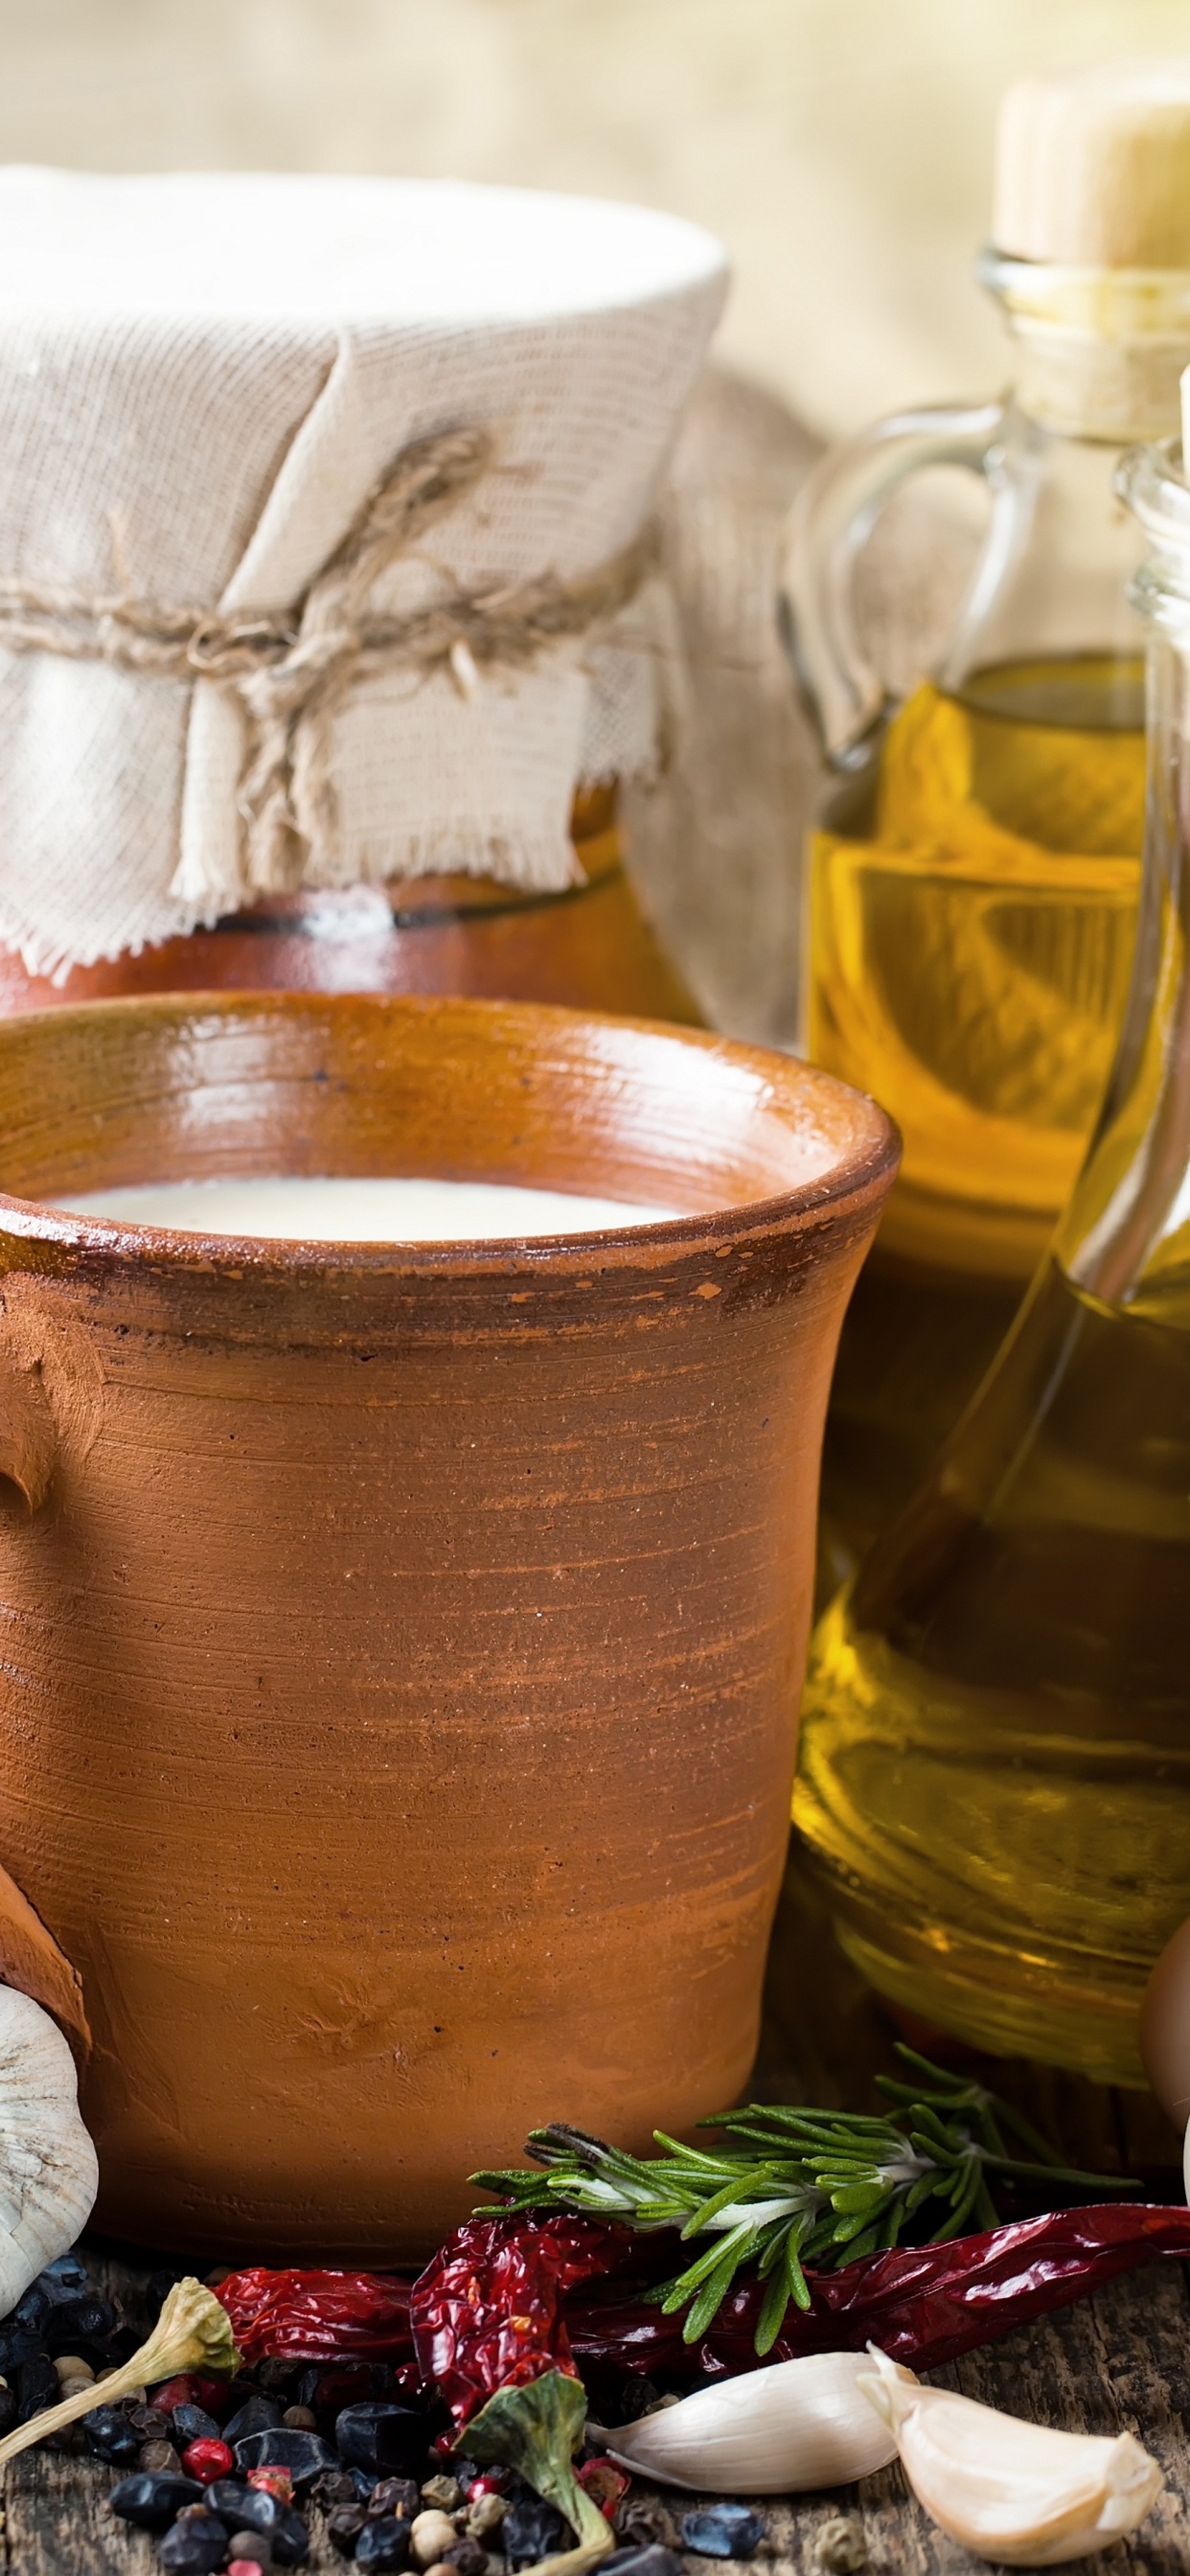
[[202, 379]]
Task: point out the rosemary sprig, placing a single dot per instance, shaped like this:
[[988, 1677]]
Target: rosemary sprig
[[793, 2187]]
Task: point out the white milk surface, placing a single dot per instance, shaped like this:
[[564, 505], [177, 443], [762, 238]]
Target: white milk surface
[[309, 1209]]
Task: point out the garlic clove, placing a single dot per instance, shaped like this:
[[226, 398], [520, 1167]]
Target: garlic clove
[[782, 2431], [49, 2173], [1015, 2492]]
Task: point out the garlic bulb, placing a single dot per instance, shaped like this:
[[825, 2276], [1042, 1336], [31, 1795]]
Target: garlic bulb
[[48, 2169], [1011, 2491], [781, 2431]]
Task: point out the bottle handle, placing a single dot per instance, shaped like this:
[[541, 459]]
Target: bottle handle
[[825, 534]]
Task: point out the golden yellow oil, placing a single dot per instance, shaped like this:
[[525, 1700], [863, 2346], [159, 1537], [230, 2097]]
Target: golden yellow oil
[[995, 1762], [972, 910]]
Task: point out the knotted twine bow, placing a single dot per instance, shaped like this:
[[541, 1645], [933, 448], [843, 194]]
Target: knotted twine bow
[[291, 672]]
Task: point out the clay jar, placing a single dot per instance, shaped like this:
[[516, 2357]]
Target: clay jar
[[401, 1647], [589, 946]]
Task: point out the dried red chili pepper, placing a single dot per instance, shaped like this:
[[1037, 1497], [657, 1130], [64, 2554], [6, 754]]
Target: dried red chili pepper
[[487, 2311], [318, 2316], [923, 2304], [488, 2329], [491, 2314]]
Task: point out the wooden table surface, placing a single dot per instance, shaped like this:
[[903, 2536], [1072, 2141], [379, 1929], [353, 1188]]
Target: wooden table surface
[[1118, 2362]]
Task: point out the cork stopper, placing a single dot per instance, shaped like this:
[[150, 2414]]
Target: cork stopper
[[1093, 167]]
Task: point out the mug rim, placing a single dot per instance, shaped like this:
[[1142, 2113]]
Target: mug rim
[[863, 1166]]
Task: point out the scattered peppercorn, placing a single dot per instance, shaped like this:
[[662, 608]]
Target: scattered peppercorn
[[722, 2531], [467, 2558], [380, 2435], [109, 2435], [195, 2546], [396, 2495], [431, 2533], [840, 2546], [272, 2480], [605, 2484], [444, 2492], [192, 2388], [534, 2529], [206, 2459], [485, 2513], [193, 2424], [150, 2422], [158, 2458], [257, 2415], [36, 2386], [383, 2545], [152, 2502], [343, 2528], [645, 2525], [303, 2456]]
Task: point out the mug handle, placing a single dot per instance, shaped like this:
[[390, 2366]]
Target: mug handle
[[28, 1434], [826, 532]]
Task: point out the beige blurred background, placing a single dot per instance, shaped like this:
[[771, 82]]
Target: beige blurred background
[[843, 150], [841, 147]]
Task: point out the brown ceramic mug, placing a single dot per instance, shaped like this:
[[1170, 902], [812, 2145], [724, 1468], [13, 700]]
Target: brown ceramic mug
[[401, 1646]]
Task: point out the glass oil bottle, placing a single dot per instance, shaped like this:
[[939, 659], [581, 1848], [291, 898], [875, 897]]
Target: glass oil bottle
[[974, 877], [995, 1767]]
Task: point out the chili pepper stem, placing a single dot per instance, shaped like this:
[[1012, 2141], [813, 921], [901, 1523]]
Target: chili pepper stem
[[575, 2562], [191, 2333], [537, 2428]]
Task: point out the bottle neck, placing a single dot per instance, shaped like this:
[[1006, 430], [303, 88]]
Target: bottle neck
[[1125, 1237], [1099, 351]]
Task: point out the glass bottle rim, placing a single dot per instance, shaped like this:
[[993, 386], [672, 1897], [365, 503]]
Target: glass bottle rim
[[1087, 302]]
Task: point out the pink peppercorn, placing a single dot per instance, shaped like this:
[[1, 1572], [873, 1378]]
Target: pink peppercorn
[[192, 2388], [489, 2484], [247, 2566], [207, 2460], [274, 2482], [605, 2485]]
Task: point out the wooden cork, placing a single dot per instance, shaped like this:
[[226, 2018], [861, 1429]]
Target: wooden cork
[[1093, 167]]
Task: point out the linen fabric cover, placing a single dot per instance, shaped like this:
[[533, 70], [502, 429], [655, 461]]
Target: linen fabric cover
[[201, 380]]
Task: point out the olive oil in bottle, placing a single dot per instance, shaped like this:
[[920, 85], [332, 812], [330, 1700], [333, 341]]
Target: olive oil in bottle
[[974, 875], [995, 1761], [973, 906]]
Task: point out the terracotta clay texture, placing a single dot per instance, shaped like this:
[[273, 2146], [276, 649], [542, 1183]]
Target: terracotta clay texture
[[589, 947], [400, 1648]]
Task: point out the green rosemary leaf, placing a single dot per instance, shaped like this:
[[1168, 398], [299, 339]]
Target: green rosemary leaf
[[984, 2207], [773, 2308], [865, 2244], [690, 2157], [733, 2190], [854, 2196], [835, 2186], [709, 2301], [727, 2248], [1066, 2174]]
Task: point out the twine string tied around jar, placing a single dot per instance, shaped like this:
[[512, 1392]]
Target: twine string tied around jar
[[290, 672]]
